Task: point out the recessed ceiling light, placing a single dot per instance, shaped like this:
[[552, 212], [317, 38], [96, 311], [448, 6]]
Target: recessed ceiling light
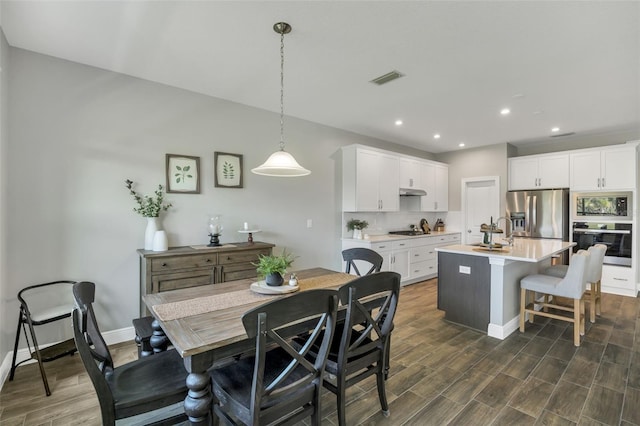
[[398, 122], [436, 136], [555, 129], [505, 111], [461, 144]]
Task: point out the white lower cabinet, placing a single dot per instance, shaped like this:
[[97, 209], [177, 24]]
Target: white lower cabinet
[[414, 258], [618, 280]]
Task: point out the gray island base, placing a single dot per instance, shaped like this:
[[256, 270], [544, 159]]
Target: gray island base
[[481, 289]]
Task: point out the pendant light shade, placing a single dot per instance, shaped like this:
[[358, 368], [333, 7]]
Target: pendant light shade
[[281, 163]]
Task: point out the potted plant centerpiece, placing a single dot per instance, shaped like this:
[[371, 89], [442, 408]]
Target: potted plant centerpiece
[[272, 267], [357, 225], [149, 207]]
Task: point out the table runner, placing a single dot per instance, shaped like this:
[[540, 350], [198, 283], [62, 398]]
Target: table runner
[[217, 302]]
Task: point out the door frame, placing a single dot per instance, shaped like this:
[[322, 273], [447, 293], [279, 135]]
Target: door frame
[[463, 203]]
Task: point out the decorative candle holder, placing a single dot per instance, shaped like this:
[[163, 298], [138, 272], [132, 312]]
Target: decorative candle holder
[[215, 230]]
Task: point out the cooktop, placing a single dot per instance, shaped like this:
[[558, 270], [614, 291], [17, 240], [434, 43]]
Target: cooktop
[[406, 232]]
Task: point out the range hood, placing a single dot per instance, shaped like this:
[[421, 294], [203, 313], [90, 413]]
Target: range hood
[[412, 192]]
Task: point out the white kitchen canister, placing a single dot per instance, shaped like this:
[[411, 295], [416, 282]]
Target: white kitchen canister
[[160, 241]]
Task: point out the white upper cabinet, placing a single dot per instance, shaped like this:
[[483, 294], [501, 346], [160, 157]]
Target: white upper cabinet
[[410, 173], [369, 180], [435, 181], [603, 169], [539, 172]]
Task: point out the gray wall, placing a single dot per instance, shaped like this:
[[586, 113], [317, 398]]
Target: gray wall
[[484, 161], [4, 142], [77, 132]]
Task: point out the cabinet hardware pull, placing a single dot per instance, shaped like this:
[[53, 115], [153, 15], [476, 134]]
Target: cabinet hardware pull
[[603, 184], [620, 279], [208, 260], [164, 264]]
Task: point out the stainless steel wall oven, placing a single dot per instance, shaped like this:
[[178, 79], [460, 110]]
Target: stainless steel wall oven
[[616, 236]]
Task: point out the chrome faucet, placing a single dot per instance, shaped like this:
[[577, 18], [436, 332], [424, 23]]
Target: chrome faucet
[[510, 237]]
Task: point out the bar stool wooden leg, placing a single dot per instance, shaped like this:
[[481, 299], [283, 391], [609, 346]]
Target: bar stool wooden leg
[[593, 296], [576, 322], [523, 304], [583, 317], [598, 297]]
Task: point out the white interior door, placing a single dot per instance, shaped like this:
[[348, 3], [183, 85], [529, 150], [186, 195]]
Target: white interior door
[[480, 201]]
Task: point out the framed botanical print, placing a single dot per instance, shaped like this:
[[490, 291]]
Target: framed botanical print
[[183, 174], [228, 170]]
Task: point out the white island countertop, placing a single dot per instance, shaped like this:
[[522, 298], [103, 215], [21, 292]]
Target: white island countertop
[[523, 249]]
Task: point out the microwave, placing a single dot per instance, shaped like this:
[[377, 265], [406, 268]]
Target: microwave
[[602, 205]]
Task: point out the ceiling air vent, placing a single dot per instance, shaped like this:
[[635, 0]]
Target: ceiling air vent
[[390, 76], [563, 134]]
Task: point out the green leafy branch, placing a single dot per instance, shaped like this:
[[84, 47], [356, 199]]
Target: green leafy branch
[[148, 206], [182, 174]]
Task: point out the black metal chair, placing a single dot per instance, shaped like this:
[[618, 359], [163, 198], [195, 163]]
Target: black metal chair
[[362, 254], [43, 304], [279, 384], [138, 387], [362, 348]]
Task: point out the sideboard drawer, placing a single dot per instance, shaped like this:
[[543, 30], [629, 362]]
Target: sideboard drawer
[[250, 256], [237, 272], [166, 282], [184, 262]]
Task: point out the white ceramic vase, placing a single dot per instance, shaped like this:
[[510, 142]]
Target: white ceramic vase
[[150, 232], [160, 241], [357, 234]]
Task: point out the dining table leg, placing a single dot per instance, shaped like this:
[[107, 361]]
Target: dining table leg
[[158, 341], [199, 401]]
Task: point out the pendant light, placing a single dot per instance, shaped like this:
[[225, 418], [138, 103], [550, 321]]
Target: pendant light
[[281, 163]]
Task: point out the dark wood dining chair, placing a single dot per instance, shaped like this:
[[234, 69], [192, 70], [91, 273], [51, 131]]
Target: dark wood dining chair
[[279, 384], [350, 256], [361, 348], [138, 387], [42, 304]]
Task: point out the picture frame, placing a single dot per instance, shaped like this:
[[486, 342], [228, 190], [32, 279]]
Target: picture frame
[[183, 174], [228, 171]]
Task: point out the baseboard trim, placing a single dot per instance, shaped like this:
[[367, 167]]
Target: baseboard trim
[[111, 337], [502, 331]]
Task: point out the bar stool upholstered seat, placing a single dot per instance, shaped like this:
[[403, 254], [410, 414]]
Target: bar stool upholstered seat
[[594, 275], [572, 286]]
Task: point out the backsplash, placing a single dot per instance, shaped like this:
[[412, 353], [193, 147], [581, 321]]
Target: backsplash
[[382, 223]]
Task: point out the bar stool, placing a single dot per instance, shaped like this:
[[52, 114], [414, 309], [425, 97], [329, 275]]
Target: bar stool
[[594, 275], [572, 286]]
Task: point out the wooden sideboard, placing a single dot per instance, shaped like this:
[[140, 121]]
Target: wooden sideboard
[[182, 267]]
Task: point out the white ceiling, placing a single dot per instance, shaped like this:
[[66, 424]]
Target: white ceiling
[[575, 65]]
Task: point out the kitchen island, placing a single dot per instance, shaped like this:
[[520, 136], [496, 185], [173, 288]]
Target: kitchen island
[[480, 288]]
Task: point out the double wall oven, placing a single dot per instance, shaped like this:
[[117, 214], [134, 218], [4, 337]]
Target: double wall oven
[[604, 218]]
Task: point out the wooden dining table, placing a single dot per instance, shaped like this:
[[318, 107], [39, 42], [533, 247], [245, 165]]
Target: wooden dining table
[[204, 324]]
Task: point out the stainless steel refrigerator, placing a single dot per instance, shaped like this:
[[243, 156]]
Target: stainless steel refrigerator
[[539, 214]]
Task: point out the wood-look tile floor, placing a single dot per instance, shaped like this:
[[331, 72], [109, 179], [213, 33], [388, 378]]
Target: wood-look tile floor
[[441, 374]]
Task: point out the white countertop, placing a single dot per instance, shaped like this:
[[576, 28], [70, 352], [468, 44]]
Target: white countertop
[[524, 250], [394, 237]]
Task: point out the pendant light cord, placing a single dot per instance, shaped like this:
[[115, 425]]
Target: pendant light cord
[[282, 90]]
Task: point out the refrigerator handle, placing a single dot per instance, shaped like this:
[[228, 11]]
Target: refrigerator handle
[[527, 216], [534, 214]]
